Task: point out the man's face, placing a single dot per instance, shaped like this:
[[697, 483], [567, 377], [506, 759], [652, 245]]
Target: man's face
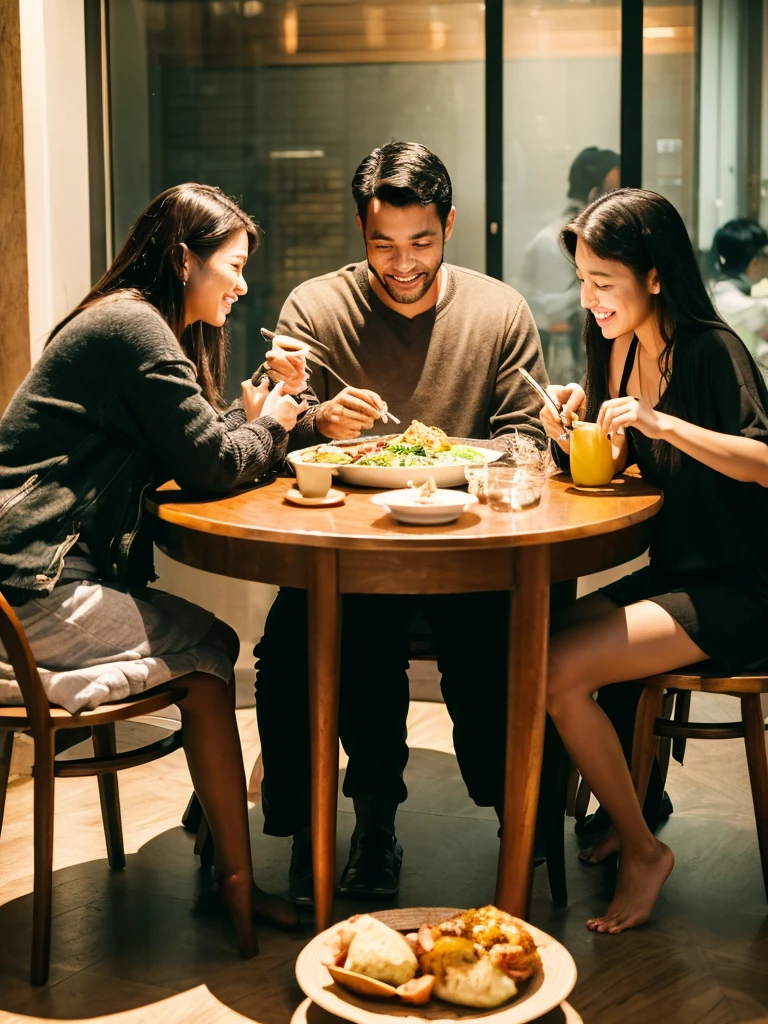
[[404, 247]]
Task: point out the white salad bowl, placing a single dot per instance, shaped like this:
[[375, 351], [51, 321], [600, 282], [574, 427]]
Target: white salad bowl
[[393, 477], [405, 507]]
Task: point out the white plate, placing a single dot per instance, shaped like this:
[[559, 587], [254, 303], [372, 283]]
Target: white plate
[[388, 477], [541, 994], [445, 507]]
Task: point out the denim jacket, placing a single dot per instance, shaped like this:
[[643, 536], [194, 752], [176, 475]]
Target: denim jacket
[[112, 408]]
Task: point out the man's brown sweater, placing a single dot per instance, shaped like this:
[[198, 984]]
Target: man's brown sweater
[[454, 366]]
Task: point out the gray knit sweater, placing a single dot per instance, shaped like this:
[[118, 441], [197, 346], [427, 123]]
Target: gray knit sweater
[[111, 408]]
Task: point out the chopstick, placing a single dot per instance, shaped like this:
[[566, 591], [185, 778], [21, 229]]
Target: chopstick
[[386, 415], [546, 396]]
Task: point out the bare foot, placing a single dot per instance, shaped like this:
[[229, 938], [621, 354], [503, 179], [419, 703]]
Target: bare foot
[[274, 909], [638, 884], [236, 893], [603, 848]]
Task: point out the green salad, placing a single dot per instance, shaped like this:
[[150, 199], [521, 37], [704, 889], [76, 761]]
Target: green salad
[[416, 455]]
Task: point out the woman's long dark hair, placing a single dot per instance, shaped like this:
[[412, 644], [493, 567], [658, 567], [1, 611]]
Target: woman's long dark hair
[[643, 231], [150, 263]]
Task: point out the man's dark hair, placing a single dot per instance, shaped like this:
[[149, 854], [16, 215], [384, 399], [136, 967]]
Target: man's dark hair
[[589, 170], [401, 174], [736, 244]]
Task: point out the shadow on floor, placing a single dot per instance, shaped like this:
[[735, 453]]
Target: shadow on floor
[[126, 940]]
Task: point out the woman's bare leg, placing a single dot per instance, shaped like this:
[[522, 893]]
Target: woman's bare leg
[[592, 606], [212, 746], [615, 646], [272, 908]]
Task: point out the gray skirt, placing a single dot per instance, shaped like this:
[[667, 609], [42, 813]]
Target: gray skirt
[[96, 642]]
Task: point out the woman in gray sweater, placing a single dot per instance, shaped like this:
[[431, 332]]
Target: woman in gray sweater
[[126, 396]]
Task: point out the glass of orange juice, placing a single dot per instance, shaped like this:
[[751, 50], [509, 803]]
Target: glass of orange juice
[[591, 458]]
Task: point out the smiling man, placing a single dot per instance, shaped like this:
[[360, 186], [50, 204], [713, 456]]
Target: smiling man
[[440, 344]]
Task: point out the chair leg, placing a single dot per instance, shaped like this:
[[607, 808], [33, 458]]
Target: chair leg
[[682, 716], [665, 743], [204, 848], [571, 790], [643, 745], [109, 795], [581, 803], [757, 761], [190, 819], [43, 840], [6, 748], [554, 783]]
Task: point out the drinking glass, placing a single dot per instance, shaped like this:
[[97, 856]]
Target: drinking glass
[[477, 482], [591, 457], [514, 488]]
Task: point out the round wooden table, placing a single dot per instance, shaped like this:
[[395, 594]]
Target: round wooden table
[[356, 548]]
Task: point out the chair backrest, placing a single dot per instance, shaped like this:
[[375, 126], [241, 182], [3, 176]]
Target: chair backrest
[[23, 664]]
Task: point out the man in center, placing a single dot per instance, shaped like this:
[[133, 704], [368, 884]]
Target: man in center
[[437, 343]]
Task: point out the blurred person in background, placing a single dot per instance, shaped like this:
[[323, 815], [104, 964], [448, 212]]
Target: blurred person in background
[[740, 256], [548, 281]]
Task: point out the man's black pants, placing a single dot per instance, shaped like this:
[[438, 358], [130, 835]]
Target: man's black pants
[[470, 635], [469, 632]]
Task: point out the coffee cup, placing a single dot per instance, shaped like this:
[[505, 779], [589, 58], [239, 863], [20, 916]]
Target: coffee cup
[[314, 479]]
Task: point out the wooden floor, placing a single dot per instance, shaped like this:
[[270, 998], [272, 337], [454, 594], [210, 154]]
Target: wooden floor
[[128, 944]]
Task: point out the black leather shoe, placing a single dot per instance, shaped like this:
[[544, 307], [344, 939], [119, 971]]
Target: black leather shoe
[[599, 822], [373, 869], [301, 888]]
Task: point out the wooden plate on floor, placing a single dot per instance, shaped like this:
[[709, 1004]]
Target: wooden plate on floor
[[543, 993]]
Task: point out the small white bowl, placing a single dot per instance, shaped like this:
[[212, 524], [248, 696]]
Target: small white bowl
[[446, 507]]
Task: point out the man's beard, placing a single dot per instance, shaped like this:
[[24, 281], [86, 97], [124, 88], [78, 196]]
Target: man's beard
[[406, 300]]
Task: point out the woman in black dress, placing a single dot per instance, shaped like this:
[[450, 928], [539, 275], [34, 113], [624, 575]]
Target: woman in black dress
[[679, 395]]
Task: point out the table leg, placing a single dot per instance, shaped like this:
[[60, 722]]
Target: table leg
[[324, 636], [526, 718]]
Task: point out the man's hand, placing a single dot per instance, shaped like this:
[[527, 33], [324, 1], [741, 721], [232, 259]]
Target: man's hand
[[347, 415]]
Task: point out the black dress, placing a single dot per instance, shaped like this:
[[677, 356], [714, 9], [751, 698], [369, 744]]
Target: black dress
[[709, 552]]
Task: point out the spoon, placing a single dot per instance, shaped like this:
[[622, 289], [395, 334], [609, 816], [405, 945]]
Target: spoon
[[386, 415], [547, 398]]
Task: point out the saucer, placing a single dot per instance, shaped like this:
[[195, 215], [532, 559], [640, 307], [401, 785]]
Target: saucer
[[333, 497], [445, 507]]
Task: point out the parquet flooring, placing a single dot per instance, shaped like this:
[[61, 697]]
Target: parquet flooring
[[128, 944]]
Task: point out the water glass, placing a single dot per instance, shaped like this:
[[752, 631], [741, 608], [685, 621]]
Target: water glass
[[477, 482], [514, 488]]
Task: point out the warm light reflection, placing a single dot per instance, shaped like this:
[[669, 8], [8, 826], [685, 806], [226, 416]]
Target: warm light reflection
[[438, 30], [291, 30], [374, 19]]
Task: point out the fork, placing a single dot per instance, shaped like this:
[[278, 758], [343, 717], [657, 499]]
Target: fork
[[386, 415], [548, 398]]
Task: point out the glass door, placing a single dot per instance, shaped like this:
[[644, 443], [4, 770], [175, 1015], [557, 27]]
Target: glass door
[[277, 101], [562, 98]]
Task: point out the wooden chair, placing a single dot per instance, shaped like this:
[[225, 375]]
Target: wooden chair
[[44, 721], [751, 728]]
